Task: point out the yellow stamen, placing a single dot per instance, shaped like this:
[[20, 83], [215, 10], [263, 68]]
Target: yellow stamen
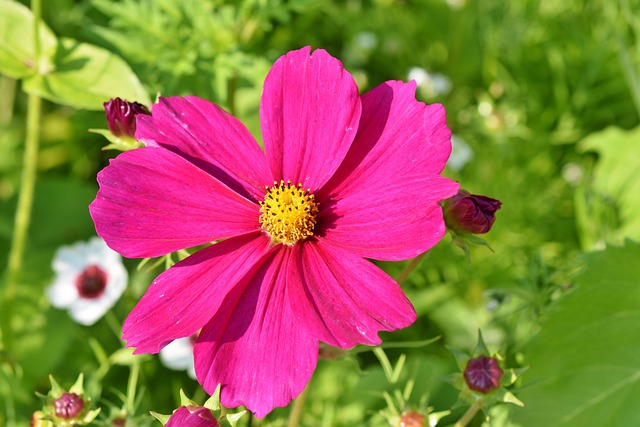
[[288, 212]]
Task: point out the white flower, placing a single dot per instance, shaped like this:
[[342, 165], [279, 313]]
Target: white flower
[[178, 355], [89, 280]]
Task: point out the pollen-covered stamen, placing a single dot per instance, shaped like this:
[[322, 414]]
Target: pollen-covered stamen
[[288, 212]]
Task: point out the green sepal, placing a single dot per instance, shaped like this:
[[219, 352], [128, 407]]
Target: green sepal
[[160, 417], [510, 376], [464, 240], [231, 419], [213, 403], [56, 391], [78, 386], [481, 347], [435, 417], [91, 415], [509, 397], [185, 401], [120, 143]]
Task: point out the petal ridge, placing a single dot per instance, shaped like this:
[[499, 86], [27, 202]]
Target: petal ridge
[[254, 345], [152, 202], [343, 299], [309, 114], [209, 137], [185, 297]]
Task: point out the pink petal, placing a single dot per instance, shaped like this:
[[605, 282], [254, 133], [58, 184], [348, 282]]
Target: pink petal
[[152, 202], [184, 298], [200, 417], [383, 201], [343, 299], [255, 346], [209, 137], [309, 110]]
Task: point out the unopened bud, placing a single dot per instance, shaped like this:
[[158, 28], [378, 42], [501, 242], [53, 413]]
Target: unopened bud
[[412, 419], [69, 405], [192, 416], [467, 213], [121, 116], [483, 374]]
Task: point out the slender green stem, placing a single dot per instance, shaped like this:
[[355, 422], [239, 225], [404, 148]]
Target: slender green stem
[[298, 408], [25, 195], [409, 268], [468, 416], [132, 386]]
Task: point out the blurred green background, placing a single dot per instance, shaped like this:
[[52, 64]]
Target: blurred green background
[[542, 96]]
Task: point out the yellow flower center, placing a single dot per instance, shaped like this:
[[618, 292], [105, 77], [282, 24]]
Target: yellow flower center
[[288, 212]]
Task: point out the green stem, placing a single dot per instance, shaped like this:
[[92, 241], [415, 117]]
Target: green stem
[[468, 416], [25, 195], [298, 408], [409, 268], [132, 386]]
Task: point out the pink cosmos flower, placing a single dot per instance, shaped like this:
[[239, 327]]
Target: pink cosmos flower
[[342, 177]]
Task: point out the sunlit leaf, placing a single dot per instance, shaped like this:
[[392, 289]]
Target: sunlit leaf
[[608, 205], [17, 57], [86, 76], [584, 365]]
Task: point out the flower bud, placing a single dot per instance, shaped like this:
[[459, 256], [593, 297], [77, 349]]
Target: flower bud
[[412, 419], [467, 213], [69, 405], [192, 416], [121, 116], [483, 374], [37, 420]]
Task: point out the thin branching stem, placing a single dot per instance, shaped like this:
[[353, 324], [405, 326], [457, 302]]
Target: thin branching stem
[[26, 192]]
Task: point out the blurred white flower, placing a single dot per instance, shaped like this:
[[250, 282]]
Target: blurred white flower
[[89, 280], [430, 84], [366, 40], [178, 355], [461, 153]]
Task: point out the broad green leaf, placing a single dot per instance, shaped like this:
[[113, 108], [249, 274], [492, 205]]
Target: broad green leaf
[[584, 363], [607, 207], [17, 57], [86, 76]]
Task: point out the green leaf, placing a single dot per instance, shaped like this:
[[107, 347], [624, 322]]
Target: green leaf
[[86, 76], [584, 366], [607, 206], [17, 57]]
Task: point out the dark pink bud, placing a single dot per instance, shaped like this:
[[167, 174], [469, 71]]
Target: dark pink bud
[[69, 405], [483, 374], [121, 116], [192, 416], [467, 213]]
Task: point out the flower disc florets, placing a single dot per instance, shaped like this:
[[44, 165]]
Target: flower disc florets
[[69, 405], [288, 212]]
